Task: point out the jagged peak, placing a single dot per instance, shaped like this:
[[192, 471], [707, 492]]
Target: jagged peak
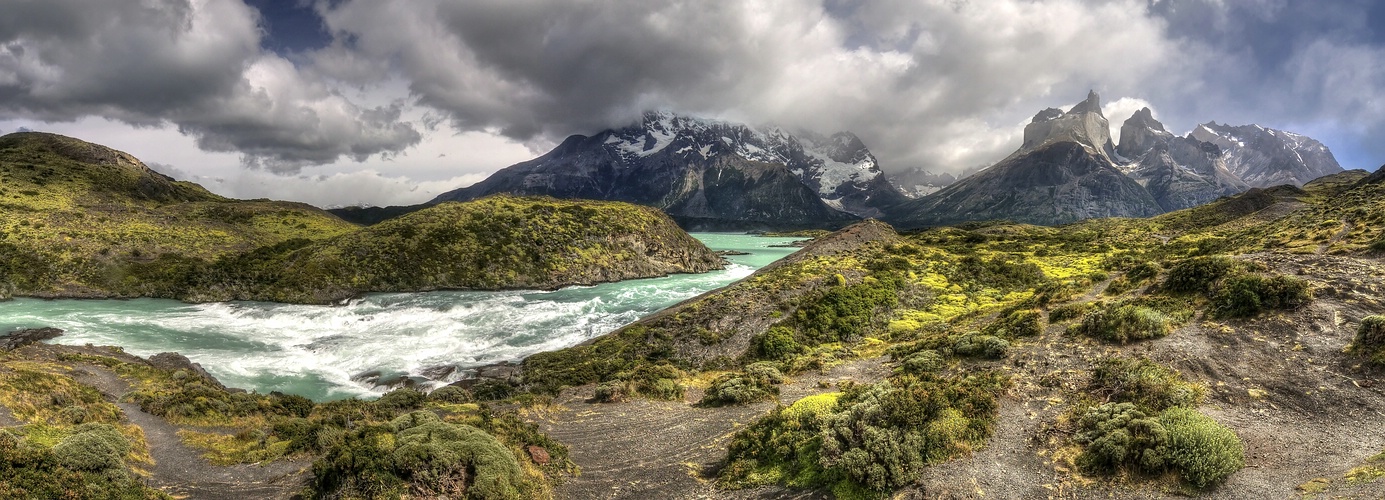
[[1145, 117], [1047, 115], [1091, 105]]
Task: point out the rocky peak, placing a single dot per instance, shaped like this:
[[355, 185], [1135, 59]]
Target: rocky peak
[[1091, 105], [1140, 133], [1083, 124], [1265, 157]]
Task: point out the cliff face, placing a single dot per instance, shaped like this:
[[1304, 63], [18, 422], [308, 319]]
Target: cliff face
[[1054, 184]]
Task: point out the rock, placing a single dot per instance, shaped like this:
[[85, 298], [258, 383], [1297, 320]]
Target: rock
[[6, 291], [539, 455], [21, 338], [731, 252], [173, 361], [1264, 157], [1083, 124], [503, 371]]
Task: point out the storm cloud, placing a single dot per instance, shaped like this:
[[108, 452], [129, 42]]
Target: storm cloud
[[945, 85], [196, 64]]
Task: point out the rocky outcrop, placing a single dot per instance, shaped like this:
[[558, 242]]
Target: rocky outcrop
[[1264, 157], [173, 362], [1083, 124], [20, 338], [1140, 133]]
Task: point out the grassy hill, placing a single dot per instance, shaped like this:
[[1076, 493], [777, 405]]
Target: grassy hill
[[1146, 357], [82, 220]]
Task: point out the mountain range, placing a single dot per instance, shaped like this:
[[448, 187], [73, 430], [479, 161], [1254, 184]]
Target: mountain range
[[711, 174], [708, 172]]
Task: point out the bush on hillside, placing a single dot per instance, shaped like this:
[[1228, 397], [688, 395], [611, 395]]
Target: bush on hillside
[[1198, 274], [93, 448], [1249, 294], [1370, 339], [982, 346], [1200, 449], [756, 383], [1150, 386], [1021, 323], [418, 454], [1121, 436], [1123, 323]]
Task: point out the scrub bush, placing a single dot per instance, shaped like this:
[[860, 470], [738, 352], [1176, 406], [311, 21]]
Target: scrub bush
[[1123, 323]]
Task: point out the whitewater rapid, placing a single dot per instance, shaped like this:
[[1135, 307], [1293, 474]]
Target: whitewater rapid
[[332, 352]]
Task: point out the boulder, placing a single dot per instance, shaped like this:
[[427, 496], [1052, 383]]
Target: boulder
[[21, 338]]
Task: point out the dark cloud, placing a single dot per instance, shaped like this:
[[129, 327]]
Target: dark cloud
[[938, 84], [195, 64]]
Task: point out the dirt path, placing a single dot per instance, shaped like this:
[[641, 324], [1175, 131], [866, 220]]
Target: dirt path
[[664, 449], [181, 471]]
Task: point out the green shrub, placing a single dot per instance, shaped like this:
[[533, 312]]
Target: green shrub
[[94, 448], [1117, 435], [33, 471], [1123, 323], [1120, 435], [757, 383], [402, 399], [420, 455], [656, 381], [777, 343], [867, 439], [1022, 323], [1150, 386], [1246, 295], [985, 346], [925, 361], [1069, 311], [492, 390], [1370, 339], [882, 434], [1202, 450], [765, 371], [847, 313], [1198, 274], [609, 392], [450, 394]]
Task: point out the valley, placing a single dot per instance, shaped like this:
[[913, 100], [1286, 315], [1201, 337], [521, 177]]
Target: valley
[[1218, 351]]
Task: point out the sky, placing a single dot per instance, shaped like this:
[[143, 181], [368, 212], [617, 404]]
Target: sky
[[386, 102]]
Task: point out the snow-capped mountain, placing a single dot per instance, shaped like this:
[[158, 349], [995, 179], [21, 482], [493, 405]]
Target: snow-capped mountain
[[917, 182], [1264, 157], [1180, 172], [709, 170], [839, 167]]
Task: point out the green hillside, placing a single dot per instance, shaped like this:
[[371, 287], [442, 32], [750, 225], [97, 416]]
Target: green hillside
[[82, 220]]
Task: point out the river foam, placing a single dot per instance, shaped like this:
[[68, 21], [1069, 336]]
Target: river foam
[[331, 352]]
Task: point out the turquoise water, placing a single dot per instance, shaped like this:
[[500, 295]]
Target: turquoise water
[[330, 352]]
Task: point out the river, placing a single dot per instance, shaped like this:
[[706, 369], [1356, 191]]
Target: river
[[322, 352]]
